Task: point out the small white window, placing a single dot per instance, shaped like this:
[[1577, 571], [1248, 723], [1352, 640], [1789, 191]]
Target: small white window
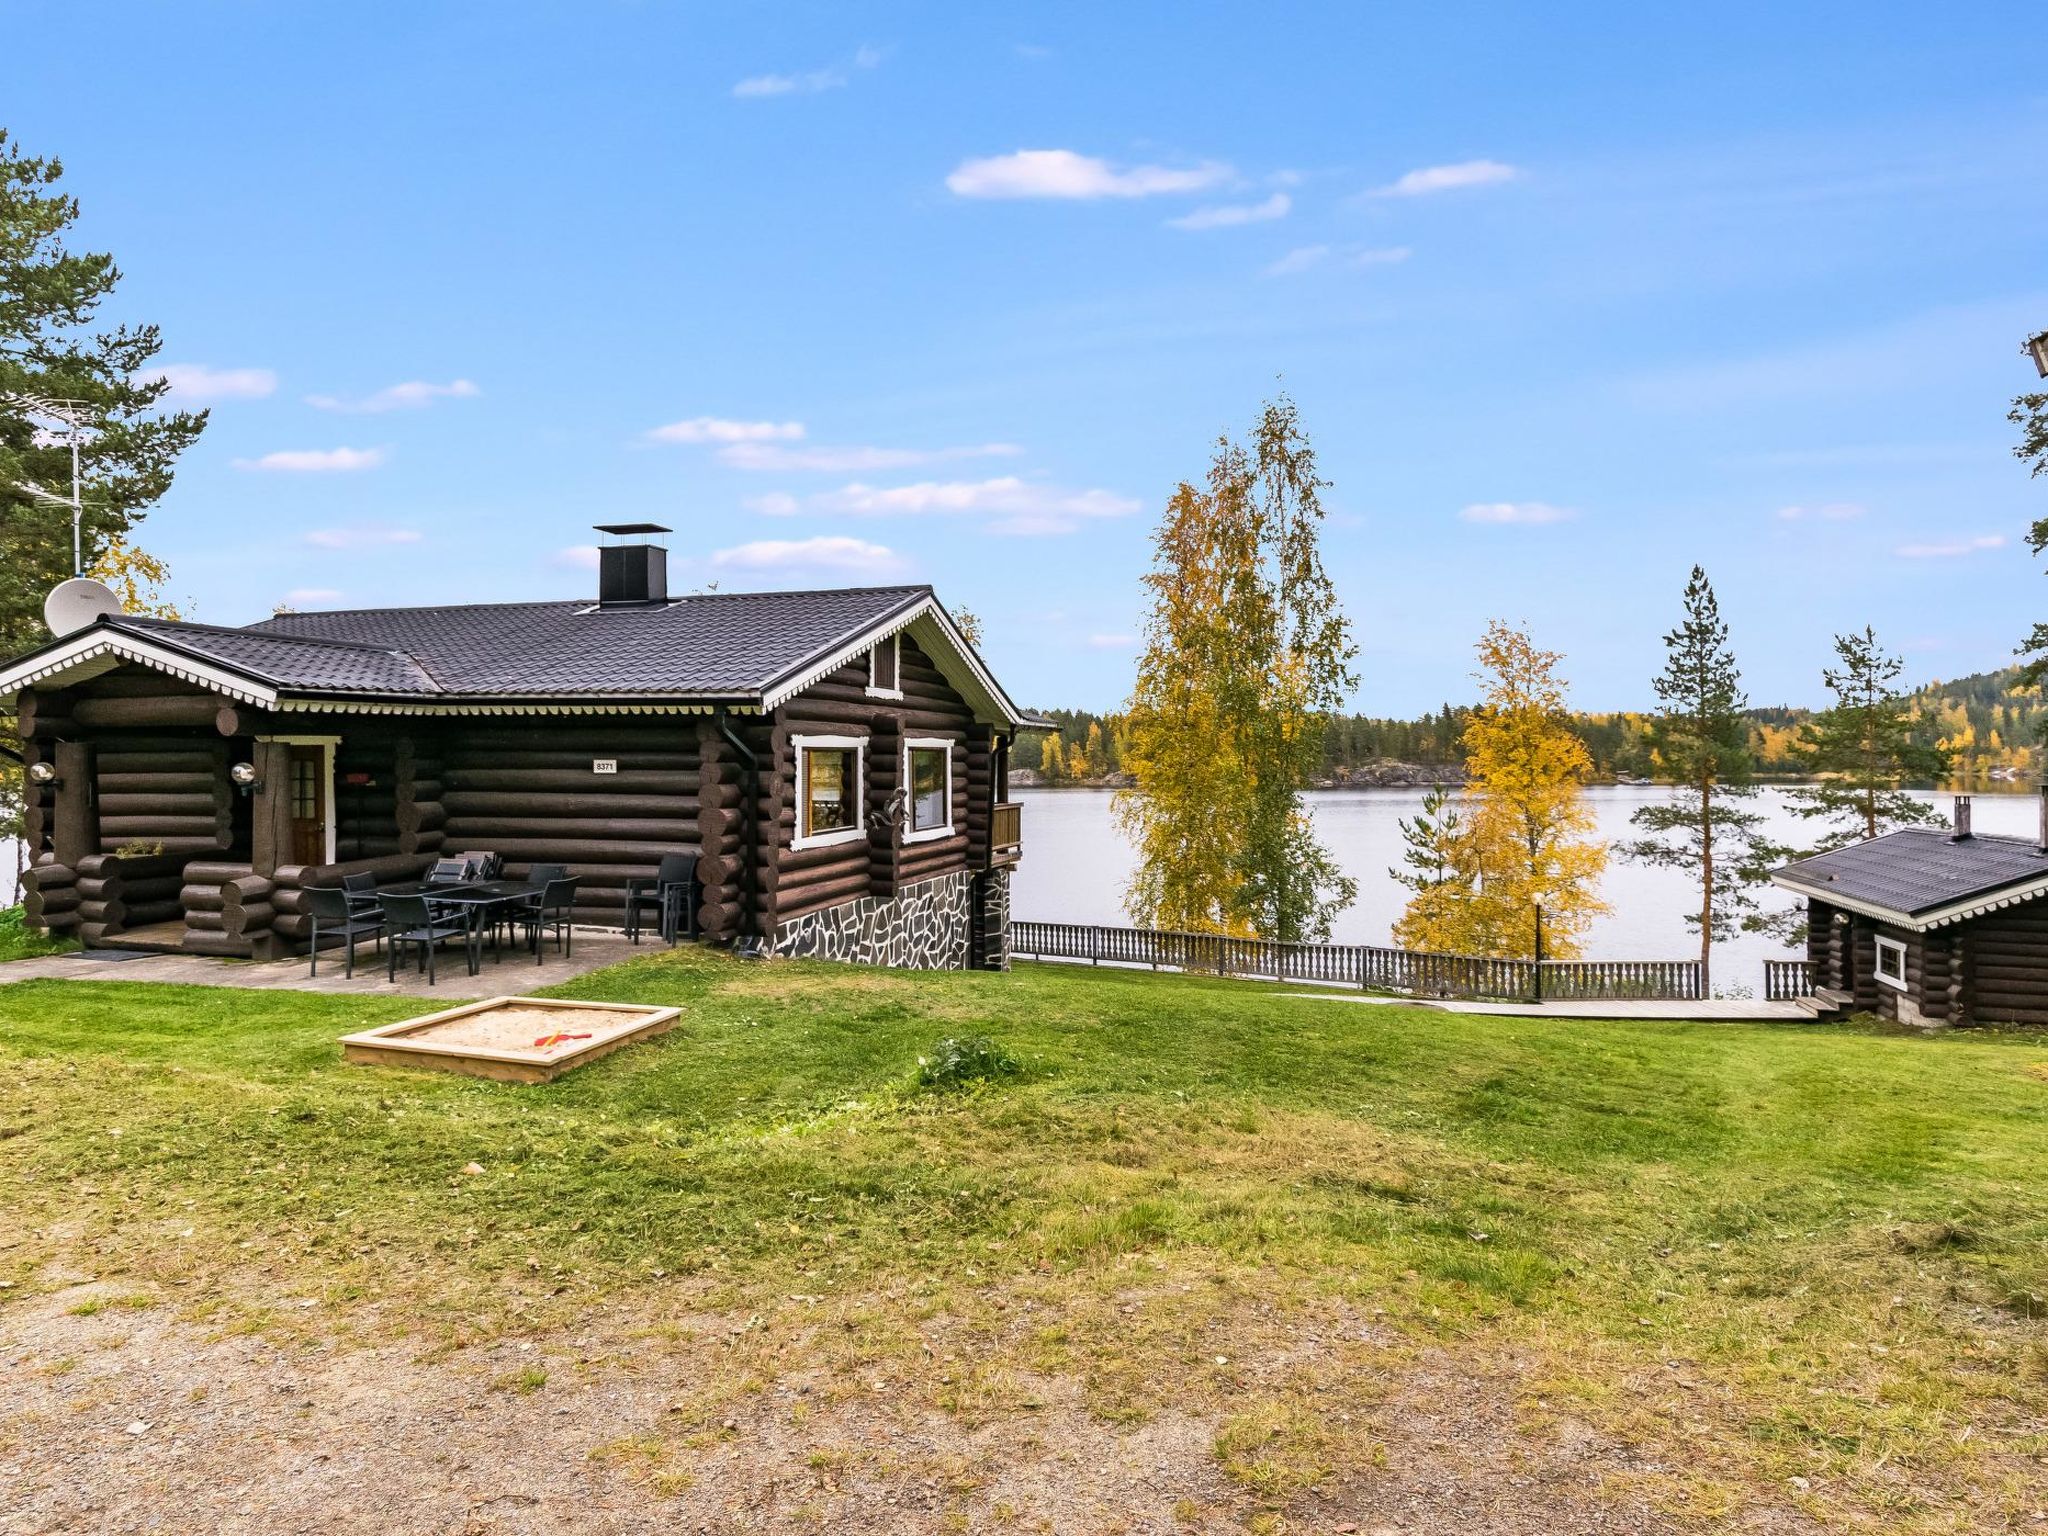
[[830, 787], [885, 669], [1891, 963], [928, 773]]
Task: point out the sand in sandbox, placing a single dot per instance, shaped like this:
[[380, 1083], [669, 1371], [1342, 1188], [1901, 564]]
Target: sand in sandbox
[[513, 1028]]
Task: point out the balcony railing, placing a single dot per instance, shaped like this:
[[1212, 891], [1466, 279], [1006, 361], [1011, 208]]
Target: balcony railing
[[1006, 835]]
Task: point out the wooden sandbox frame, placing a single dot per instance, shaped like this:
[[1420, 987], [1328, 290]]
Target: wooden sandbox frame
[[410, 1043]]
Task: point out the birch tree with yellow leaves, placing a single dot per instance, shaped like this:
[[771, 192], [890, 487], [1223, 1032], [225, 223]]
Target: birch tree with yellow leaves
[[1247, 656], [1524, 851]]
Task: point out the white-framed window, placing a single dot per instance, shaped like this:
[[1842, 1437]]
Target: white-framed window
[[1891, 963], [885, 669], [831, 779], [928, 775]]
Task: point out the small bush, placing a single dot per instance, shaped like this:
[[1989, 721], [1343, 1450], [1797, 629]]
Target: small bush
[[958, 1061]]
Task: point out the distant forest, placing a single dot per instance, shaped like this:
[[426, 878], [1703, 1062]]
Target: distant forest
[[1993, 726]]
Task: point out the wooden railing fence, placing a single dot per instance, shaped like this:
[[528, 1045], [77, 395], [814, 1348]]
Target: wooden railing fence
[[1360, 965], [1787, 979]]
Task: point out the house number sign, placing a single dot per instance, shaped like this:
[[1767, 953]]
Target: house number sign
[[604, 765]]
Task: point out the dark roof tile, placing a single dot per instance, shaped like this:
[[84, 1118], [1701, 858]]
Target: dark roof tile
[[1919, 869]]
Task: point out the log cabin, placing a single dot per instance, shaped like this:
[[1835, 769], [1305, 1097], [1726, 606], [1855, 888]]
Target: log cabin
[[838, 761], [1931, 925]]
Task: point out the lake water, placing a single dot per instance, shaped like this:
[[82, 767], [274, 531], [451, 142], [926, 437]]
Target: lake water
[[1076, 864]]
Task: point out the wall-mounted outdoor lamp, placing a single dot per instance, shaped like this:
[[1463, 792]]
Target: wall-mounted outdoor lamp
[[43, 773], [243, 776], [2036, 347]]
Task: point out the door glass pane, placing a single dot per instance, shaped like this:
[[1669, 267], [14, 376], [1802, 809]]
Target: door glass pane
[[828, 789], [928, 789], [305, 789]]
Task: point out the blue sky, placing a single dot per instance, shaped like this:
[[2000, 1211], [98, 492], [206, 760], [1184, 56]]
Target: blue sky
[[1570, 297]]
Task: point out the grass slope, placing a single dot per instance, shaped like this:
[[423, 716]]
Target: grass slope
[[1835, 1240]]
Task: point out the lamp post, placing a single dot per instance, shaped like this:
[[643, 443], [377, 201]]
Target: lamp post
[[2036, 347], [1537, 970], [73, 414]]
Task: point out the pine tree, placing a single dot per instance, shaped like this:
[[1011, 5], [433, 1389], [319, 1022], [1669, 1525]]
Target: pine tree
[[1433, 849], [1700, 738], [1247, 656], [1863, 749], [48, 296]]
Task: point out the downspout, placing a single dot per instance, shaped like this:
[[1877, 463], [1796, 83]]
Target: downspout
[[752, 792]]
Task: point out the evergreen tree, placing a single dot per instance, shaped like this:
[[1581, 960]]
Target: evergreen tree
[[1701, 739], [1247, 657], [1863, 749], [1432, 848], [49, 295]]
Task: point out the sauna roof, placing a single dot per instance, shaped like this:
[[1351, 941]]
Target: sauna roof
[[1922, 877], [753, 649]]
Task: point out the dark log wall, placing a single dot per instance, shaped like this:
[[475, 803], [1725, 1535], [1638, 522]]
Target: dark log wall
[[807, 880], [159, 763], [525, 790], [2007, 970]]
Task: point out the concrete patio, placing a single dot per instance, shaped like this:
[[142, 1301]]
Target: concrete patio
[[511, 974]]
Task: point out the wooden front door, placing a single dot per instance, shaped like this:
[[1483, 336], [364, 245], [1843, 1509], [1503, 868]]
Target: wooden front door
[[308, 791]]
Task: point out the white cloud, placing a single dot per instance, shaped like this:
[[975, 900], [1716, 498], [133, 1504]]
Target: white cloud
[[1952, 548], [853, 460], [299, 595], [409, 396], [1306, 258], [830, 552], [1528, 513], [1829, 512], [719, 429], [1230, 215], [195, 383], [316, 461], [774, 504], [808, 82], [1448, 178], [368, 536], [1111, 642], [1018, 507], [577, 557], [1061, 173]]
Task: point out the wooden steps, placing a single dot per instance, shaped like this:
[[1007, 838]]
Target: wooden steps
[[1825, 1003]]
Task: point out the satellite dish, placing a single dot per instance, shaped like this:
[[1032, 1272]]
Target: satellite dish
[[74, 604]]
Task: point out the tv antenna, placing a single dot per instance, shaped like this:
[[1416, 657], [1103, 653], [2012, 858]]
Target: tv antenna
[[72, 415]]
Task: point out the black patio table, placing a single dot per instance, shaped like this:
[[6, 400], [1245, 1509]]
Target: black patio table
[[479, 899]]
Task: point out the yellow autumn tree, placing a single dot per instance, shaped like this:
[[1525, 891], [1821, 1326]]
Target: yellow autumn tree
[[1052, 762], [136, 577], [1524, 842]]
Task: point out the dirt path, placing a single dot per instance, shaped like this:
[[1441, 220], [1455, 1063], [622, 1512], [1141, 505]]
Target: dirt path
[[128, 1419]]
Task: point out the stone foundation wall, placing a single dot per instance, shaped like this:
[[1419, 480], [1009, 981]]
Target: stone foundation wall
[[926, 927], [992, 921]]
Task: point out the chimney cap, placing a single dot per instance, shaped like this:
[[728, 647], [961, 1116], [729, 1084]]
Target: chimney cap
[[624, 529]]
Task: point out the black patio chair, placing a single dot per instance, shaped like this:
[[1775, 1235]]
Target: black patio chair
[[482, 865], [451, 872], [424, 924], [537, 877], [362, 892], [672, 893], [555, 910], [337, 919]]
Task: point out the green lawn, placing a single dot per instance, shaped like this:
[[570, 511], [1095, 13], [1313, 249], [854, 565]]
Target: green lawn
[[1842, 1234]]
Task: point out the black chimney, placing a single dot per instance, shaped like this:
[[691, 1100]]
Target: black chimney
[[631, 574], [2041, 841], [1961, 834]]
